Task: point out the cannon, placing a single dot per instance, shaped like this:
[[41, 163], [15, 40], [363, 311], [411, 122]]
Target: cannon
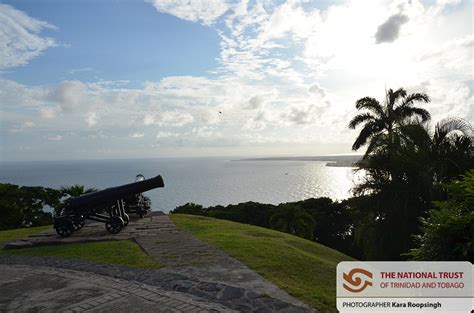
[[137, 203], [91, 205]]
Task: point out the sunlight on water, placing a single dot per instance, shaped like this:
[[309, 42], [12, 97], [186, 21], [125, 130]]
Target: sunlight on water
[[207, 181]]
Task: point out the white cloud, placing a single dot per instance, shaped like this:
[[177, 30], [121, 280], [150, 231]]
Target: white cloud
[[287, 73], [202, 11], [317, 89], [48, 113], [91, 119], [168, 118], [20, 39], [137, 135], [28, 124], [165, 134], [22, 127], [55, 138], [69, 95], [256, 102], [80, 70]]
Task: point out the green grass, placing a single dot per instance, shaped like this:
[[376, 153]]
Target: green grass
[[14, 234], [123, 252], [305, 269]]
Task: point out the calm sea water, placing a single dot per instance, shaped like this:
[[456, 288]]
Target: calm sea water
[[207, 181]]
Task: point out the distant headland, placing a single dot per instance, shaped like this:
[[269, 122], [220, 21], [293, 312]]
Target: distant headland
[[333, 160]]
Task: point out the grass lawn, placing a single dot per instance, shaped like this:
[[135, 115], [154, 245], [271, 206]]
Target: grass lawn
[[305, 269], [13, 234], [123, 252]]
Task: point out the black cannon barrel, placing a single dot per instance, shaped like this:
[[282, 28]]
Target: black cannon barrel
[[110, 195]]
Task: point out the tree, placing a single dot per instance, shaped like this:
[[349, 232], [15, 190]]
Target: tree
[[403, 175], [448, 231], [332, 221], [383, 118], [24, 206], [292, 219], [70, 192], [76, 190], [189, 208]]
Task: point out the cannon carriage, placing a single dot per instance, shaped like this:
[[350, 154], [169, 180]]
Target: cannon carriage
[[137, 203], [91, 205]]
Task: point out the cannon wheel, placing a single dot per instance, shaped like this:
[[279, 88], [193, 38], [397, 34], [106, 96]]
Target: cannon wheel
[[114, 225], [126, 219], [78, 223], [64, 228]]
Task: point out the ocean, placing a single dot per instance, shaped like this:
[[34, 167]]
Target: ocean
[[206, 181]]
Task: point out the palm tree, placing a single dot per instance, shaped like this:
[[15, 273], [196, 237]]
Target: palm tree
[[76, 190], [448, 150], [400, 184], [69, 192], [383, 118], [293, 220]]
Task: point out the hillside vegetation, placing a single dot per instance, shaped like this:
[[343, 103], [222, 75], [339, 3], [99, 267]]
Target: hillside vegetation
[[304, 269]]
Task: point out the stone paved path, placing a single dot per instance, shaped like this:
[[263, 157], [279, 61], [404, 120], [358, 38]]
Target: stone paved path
[[191, 266], [36, 289]]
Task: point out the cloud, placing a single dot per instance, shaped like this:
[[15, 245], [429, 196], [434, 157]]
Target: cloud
[[165, 134], [22, 127], [28, 124], [137, 135], [301, 114], [317, 89], [201, 11], [91, 119], [55, 138], [20, 41], [69, 95], [168, 118], [48, 113], [256, 102], [287, 73], [390, 30], [80, 70]]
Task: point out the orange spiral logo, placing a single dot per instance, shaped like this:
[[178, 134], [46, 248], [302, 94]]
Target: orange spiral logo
[[357, 281]]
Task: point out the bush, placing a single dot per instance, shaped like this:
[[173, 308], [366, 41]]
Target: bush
[[448, 231], [23, 206]]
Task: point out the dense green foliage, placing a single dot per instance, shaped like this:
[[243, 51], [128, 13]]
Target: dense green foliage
[[291, 219], [448, 231], [304, 269], [405, 166], [23, 206]]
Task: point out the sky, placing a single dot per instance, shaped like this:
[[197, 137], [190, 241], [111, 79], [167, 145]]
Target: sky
[[177, 78]]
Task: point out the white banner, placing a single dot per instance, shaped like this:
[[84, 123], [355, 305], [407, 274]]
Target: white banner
[[404, 286]]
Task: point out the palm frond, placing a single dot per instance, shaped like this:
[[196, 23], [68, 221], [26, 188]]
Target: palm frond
[[370, 129], [370, 104], [408, 111], [376, 142], [360, 118], [415, 97], [394, 95], [455, 124]]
